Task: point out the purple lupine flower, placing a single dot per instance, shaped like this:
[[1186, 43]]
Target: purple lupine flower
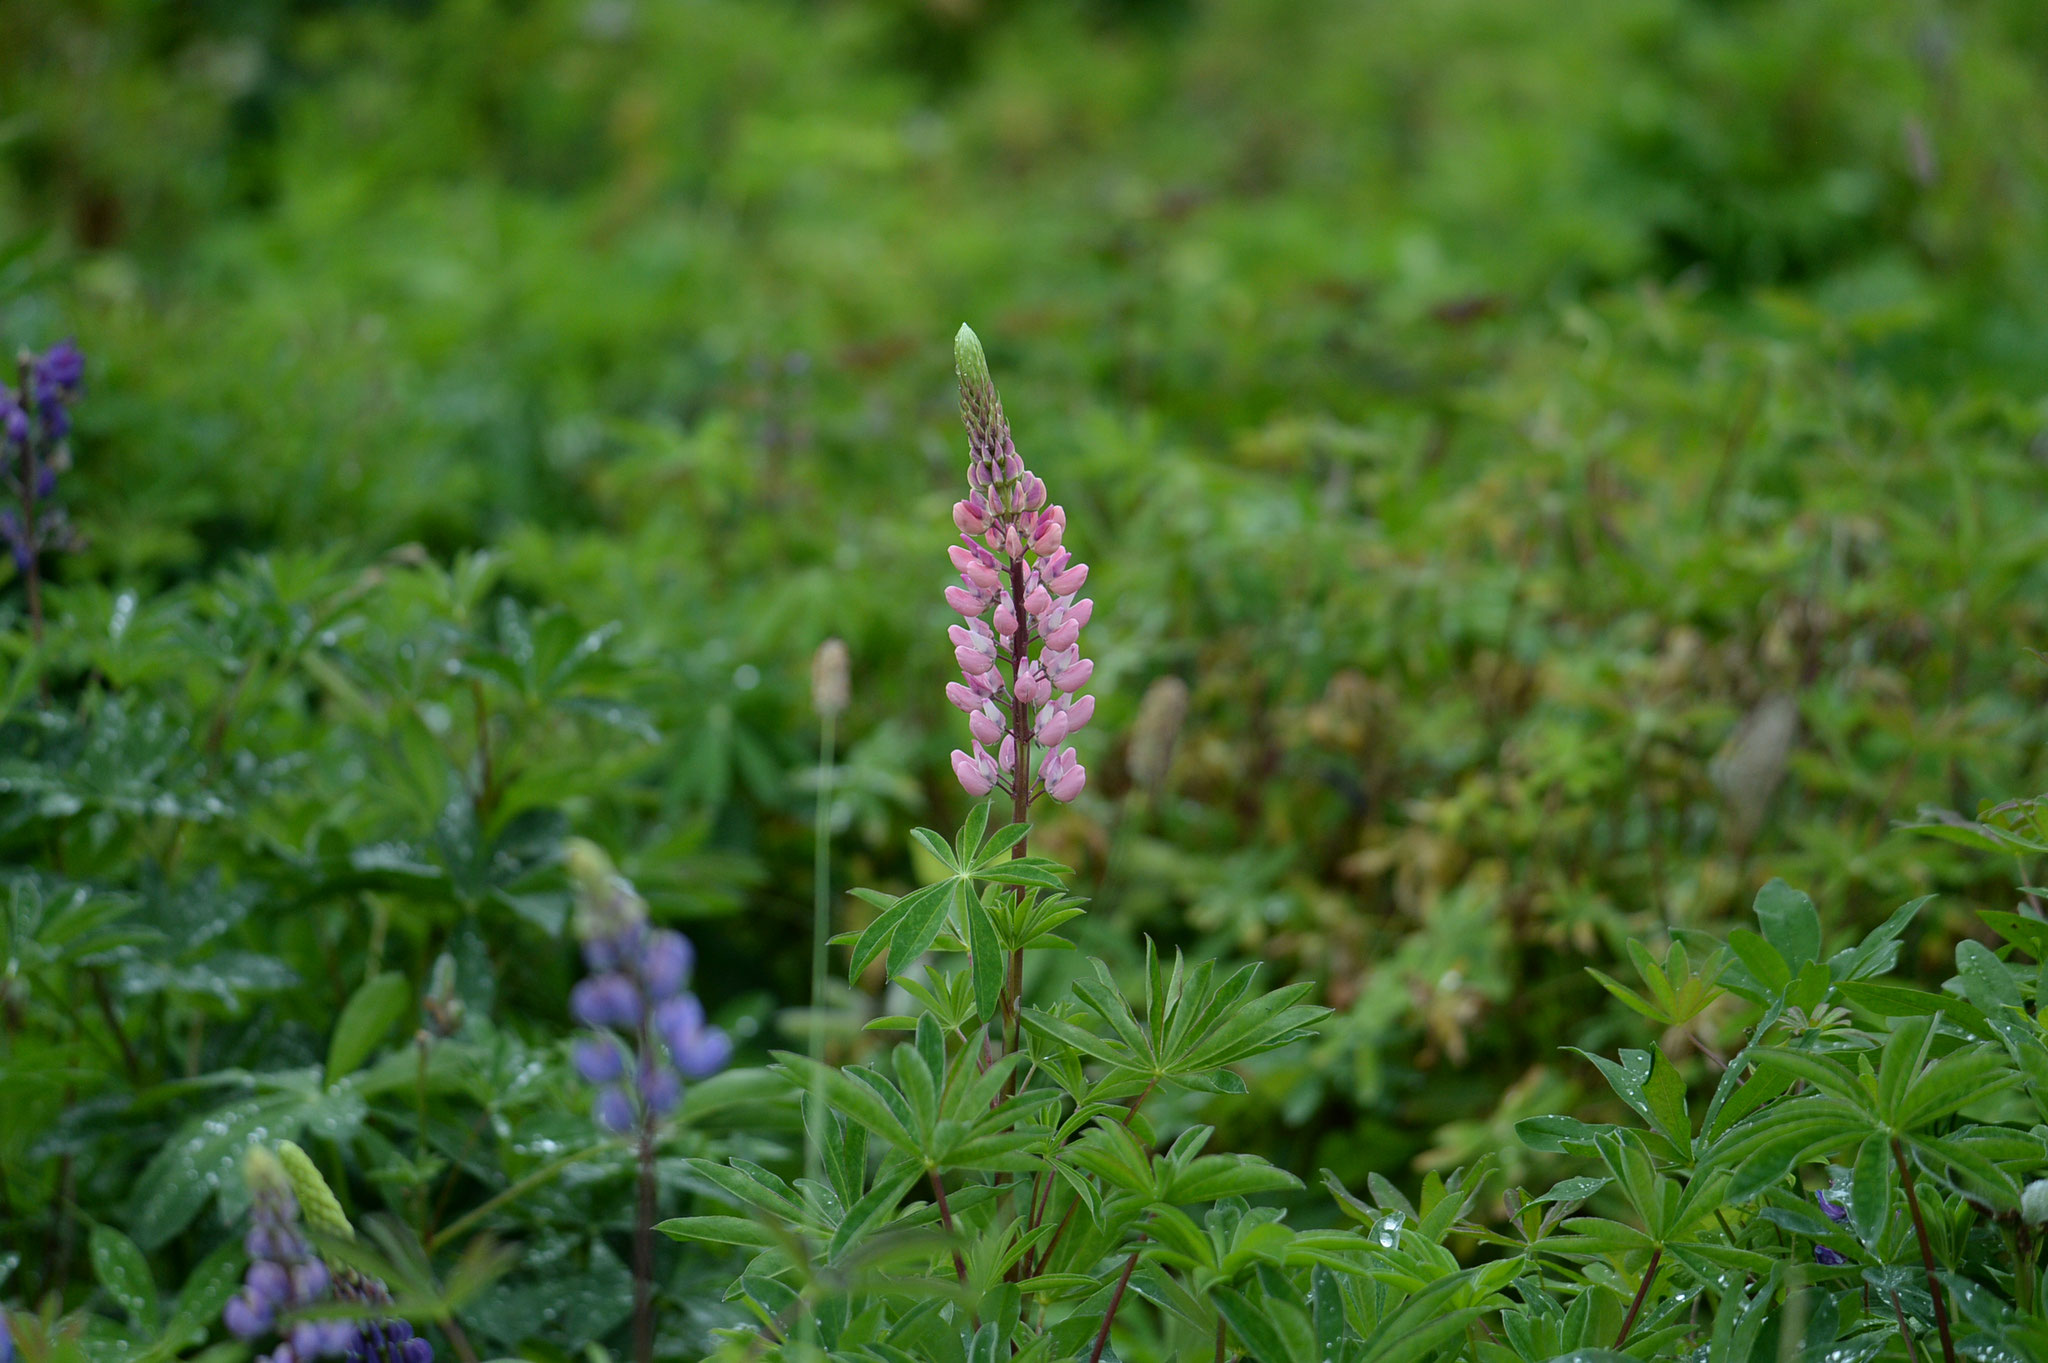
[[285, 1276], [380, 1340], [1017, 590], [1834, 1211], [599, 1060], [698, 1050], [35, 419], [1823, 1255], [276, 1280], [639, 990]]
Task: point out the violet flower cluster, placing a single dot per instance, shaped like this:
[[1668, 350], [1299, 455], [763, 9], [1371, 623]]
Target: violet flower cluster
[[1019, 649], [636, 998], [285, 1276], [35, 420]]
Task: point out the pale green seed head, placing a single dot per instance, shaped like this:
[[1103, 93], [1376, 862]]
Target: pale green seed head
[[316, 1200]]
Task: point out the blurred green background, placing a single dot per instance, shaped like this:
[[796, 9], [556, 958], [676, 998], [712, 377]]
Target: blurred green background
[[1546, 468]]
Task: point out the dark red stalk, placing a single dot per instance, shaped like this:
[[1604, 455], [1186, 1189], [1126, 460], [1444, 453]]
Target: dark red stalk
[[946, 1219], [1948, 1344], [1116, 1299], [1635, 1307]]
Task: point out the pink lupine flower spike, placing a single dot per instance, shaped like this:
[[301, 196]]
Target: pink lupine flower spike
[[1019, 648]]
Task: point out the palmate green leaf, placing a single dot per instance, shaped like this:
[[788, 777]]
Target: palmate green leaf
[[1899, 1000], [1030, 872], [719, 1230], [923, 914], [1944, 1157], [998, 843], [2030, 934], [368, 1017], [1879, 950], [1664, 1094], [1423, 1323], [1987, 981], [1870, 1188], [1828, 1075], [200, 1301], [1954, 1082], [1762, 960], [968, 840], [853, 1099], [1272, 1332], [1899, 1061], [1629, 996], [1214, 1177], [1790, 923], [941, 851], [124, 1273], [985, 949]]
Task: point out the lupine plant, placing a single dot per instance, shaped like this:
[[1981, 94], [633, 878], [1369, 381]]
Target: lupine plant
[[651, 1035], [35, 430], [993, 1182], [287, 1279]]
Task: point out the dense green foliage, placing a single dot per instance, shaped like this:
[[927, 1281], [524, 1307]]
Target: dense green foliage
[[1547, 471]]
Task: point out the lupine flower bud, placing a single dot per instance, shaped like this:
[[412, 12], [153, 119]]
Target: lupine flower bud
[[986, 724], [1834, 1211], [666, 966], [661, 1088], [599, 1060], [697, 1049], [1031, 685], [970, 516], [614, 1109], [1823, 1255], [2034, 1202], [605, 1001], [829, 686], [978, 566], [1063, 774], [977, 774]]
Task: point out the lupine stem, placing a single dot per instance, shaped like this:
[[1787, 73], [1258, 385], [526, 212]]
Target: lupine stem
[[1635, 1307], [821, 932], [1912, 1355], [1116, 1300], [946, 1218], [643, 1228], [1020, 787], [1948, 1344]]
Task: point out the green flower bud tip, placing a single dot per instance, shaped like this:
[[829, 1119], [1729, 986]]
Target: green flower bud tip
[[316, 1200], [589, 867], [968, 360], [2034, 1202], [262, 1172]]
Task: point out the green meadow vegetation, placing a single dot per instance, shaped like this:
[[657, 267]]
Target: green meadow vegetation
[[1566, 497]]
